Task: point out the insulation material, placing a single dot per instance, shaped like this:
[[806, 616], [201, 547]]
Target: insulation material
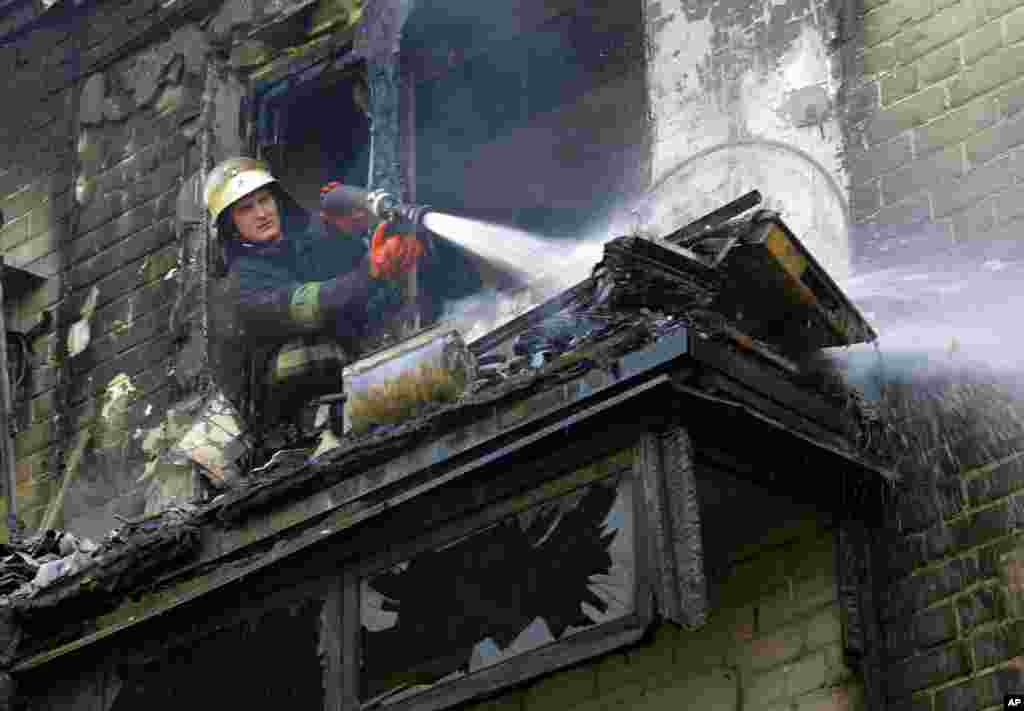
[[402, 381]]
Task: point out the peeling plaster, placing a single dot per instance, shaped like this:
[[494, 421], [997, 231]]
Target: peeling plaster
[[118, 394], [801, 75], [682, 97], [85, 188], [145, 79], [170, 481], [80, 334], [742, 106], [226, 124], [93, 93]]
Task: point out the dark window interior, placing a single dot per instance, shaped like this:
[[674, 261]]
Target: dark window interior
[[267, 663], [524, 582], [312, 128]]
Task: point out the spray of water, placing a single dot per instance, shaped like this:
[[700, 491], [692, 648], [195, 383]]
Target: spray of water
[[544, 266], [946, 375], [945, 379], [531, 257], [956, 309]]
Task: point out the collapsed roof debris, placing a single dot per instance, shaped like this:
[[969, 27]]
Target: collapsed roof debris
[[643, 291], [648, 303], [41, 561], [56, 565]]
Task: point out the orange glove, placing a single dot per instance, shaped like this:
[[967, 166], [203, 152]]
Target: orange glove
[[392, 256]]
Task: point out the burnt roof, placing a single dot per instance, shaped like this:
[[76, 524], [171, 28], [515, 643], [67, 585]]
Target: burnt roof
[[650, 350]]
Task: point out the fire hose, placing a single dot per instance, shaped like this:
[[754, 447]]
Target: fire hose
[[344, 199]]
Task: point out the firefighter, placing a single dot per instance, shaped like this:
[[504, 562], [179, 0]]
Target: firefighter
[[303, 293]]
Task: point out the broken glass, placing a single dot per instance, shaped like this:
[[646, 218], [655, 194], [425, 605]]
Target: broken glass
[[527, 581]]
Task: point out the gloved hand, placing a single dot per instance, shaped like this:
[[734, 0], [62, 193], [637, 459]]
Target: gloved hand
[[394, 255]]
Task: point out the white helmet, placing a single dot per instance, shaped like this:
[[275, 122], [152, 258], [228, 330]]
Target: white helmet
[[233, 179]]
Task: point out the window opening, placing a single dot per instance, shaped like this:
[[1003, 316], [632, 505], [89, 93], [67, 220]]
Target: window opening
[[529, 580], [311, 127], [239, 666], [314, 127]]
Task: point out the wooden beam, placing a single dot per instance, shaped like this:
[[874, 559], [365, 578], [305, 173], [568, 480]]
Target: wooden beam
[[667, 469], [330, 647]]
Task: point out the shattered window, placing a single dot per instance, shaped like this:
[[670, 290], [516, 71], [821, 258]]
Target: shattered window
[[529, 580]]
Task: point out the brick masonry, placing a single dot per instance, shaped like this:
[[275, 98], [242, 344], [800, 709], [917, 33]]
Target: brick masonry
[[934, 129], [935, 157], [98, 217], [934, 153], [953, 613], [95, 149]]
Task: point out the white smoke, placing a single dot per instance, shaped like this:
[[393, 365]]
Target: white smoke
[[958, 310], [545, 265]]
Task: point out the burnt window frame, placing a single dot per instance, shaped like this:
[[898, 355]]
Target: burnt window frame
[[336, 62], [558, 654], [295, 75]]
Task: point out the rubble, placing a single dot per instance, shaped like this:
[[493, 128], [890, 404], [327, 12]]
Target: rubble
[[43, 560], [16, 569], [62, 565], [554, 336], [215, 439], [632, 302]]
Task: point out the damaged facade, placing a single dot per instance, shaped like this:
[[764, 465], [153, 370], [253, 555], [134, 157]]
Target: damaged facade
[[647, 493]]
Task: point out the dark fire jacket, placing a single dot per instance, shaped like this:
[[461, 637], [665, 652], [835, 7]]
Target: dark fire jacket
[[313, 281], [298, 300]]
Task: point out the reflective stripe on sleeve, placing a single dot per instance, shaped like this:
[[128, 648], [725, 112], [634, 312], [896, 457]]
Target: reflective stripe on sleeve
[[305, 303]]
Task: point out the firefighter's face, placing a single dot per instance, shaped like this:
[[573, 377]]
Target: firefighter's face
[[256, 217]]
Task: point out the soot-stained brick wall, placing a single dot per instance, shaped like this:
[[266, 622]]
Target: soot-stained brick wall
[[93, 155], [949, 553], [104, 133], [100, 188], [933, 97]]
